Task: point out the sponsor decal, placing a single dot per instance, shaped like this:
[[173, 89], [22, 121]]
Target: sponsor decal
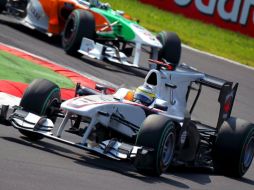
[[33, 8], [236, 15]]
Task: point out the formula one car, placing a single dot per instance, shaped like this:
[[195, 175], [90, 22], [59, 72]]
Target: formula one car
[[150, 127], [94, 29]]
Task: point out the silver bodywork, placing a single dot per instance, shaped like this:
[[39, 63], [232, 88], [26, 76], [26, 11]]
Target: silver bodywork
[[93, 106], [36, 17], [116, 113], [99, 51]]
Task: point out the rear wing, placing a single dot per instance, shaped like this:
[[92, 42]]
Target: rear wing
[[226, 97], [227, 92]]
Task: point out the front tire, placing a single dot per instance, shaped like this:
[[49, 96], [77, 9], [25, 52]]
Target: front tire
[[40, 96], [234, 148], [79, 24], [157, 133], [171, 47]]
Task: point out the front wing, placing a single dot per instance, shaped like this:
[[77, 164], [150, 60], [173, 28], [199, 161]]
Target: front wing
[[111, 148]]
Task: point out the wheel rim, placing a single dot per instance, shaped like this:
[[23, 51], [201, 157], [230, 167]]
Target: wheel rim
[[168, 149], [248, 153], [70, 28]]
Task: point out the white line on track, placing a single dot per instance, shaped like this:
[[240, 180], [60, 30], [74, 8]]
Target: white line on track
[[217, 57]]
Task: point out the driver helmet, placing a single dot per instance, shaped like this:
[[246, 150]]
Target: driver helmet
[[145, 95]]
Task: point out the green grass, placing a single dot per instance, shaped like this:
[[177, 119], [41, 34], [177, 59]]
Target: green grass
[[20, 70], [196, 34]]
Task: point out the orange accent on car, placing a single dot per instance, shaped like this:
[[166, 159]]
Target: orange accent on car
[[101, 23], [50, 7], [53, 10], [127, 16], [129, 96]]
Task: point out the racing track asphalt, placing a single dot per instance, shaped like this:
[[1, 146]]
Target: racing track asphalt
[[49, 165]]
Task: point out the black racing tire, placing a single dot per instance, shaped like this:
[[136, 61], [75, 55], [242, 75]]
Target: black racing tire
[[39, 96], [234, 148], [171, 47], [79, 24], [2, 5], [156, 132]]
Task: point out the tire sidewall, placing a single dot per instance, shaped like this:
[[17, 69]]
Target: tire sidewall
[[169, 128], [38, 103], [53, 98], [74, 17], [152, 135], [84, 26], [230, 145], [249, 134], [171, 47], [38, 97]]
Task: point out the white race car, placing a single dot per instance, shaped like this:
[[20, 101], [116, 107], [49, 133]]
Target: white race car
[[150, 127]]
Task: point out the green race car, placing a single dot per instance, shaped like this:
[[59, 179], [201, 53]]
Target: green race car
[[94, 29]]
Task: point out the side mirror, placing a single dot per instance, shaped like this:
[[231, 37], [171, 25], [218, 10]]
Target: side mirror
[[161, 105], [173, 86], [101, 88]]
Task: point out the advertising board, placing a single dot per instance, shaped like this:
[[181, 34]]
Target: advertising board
[[235, 15]]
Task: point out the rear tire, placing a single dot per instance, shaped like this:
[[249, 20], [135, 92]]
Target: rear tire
[[2, 5], [234, 148], [171, 47], [158, 133], [39, 96], [79, 24]]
